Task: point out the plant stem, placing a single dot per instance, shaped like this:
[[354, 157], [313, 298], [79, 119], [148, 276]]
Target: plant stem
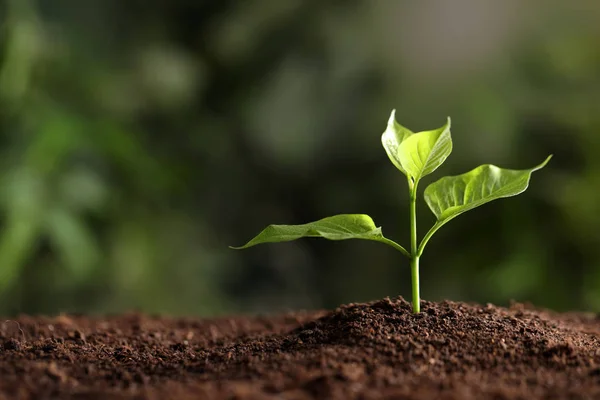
[[414, 251], [414, 271]]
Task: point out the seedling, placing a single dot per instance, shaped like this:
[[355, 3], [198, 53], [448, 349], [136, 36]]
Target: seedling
[[415, 155]]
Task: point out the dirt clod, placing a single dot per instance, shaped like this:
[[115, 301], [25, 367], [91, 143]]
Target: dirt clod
[[12, 344], [377, 350]]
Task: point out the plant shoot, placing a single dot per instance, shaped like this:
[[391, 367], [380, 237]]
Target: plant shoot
[[416, 155]]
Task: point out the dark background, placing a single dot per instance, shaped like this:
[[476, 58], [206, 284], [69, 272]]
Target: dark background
[[139, 139]]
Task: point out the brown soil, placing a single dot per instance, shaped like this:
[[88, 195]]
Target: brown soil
[[378, 350]]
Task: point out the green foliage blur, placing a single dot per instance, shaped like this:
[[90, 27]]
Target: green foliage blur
[[139, 139]]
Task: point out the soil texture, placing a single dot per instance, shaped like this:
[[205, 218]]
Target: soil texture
[[377, 350]]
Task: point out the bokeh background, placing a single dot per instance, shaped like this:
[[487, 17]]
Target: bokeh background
[[139, 139]]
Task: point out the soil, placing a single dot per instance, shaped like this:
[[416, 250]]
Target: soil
[[377, 350]]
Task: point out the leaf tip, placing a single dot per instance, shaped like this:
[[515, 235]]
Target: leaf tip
[[392, 118], [239, 247], [546, 161]]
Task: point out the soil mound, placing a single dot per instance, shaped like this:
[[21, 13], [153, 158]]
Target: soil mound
[[377, 350]]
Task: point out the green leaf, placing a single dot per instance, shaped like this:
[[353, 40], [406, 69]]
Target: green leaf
[[392, 138], [339, 227], [454, 195], [423, 152]]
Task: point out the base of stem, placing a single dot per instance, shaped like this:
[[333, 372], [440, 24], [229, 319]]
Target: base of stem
[[414, 271]]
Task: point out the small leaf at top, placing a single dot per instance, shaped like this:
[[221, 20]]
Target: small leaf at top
[[391, 139], [338, 227], [423, 152], [454, 195]]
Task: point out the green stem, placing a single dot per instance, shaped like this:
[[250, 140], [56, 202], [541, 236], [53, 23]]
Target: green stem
[[429, 234], [414, 251], [414, 271], [396, 246]]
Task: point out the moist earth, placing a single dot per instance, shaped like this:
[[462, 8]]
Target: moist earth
[[376, 350]]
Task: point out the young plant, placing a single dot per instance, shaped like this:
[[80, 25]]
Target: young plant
[[415, 155]]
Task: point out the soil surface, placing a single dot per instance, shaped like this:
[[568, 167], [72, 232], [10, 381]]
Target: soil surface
[[377, 350]]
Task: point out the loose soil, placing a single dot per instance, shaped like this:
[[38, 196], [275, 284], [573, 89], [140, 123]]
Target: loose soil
[[377, 350]]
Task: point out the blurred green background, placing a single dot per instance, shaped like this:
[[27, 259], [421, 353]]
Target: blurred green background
[[139, 139]]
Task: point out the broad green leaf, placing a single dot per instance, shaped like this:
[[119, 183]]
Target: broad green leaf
[[339, 227], [423, 152], [454, 195], [391, 139]]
